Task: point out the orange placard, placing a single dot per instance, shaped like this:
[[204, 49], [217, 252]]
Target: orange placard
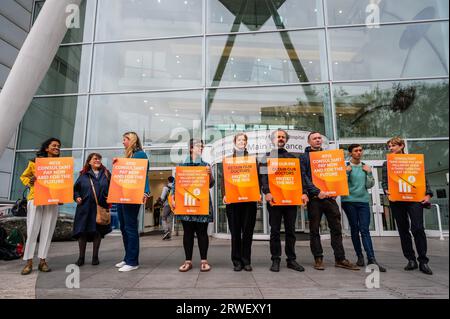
[[191, 190], [128, 181], [54, 181], [329, 172], [285, 181], [241, 179], [406, 177]]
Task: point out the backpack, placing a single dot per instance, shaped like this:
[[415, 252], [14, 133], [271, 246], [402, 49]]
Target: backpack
[[20, 207], [16, 239], [7, 250], [165, 200]]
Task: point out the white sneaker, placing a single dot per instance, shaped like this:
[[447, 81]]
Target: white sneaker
[[128, 268], [121, 264]]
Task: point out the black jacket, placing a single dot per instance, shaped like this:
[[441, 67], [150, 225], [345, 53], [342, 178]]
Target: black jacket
[[305, 163], [384, 181], [275, 153]]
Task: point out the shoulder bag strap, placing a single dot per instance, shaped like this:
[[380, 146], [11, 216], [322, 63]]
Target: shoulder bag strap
[[106, 173], [93, 190]]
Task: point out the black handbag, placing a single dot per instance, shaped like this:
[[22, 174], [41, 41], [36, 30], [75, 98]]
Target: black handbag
[[20, 207]]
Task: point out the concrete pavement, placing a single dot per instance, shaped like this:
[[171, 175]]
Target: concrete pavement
[[158, 275]]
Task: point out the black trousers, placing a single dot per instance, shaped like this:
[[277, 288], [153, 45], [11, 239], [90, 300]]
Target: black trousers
[[156, 214], [329, 207], [190, 229], [241, 221], [289, 214], [403, 212]]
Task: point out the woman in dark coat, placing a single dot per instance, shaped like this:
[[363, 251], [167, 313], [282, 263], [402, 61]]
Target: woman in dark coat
[[85, 227]]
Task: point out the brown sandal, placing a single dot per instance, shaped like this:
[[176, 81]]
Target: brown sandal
[[204, 266], [186, 266]]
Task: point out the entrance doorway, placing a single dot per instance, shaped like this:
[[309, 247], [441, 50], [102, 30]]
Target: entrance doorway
[[152, 216], [382, 222]]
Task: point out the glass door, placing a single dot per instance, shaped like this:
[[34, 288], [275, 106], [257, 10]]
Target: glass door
[[382, 222]]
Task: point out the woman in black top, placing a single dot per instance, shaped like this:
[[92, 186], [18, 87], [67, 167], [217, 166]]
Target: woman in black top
[[406, 212], [241, 218]]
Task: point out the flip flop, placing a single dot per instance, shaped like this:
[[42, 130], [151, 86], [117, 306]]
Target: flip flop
[[185, 267]]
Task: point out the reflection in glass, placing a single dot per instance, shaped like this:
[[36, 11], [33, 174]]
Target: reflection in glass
[[386, 109], [148, 65], [60, 117], [22, 163], [170, 118], [396, 51], [298, 108], [84, 32], [436, 168], [371, 152], [285, 57], [226, 16], [344, 12], [69, 71], [168, 157], [130, 19], [4, 186], [107, 155]]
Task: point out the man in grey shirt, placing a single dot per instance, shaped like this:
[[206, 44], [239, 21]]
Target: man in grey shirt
[[167, 214]]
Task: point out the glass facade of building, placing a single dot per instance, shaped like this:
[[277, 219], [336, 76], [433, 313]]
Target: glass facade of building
[[212, 68]]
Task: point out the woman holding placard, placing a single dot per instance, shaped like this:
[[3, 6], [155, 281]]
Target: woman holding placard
[[241, 215], [406, 211], [90, 190], [41, 220], [196, 224], [128, 213]]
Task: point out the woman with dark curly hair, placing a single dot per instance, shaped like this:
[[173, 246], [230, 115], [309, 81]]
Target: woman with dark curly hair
[[41, 220]]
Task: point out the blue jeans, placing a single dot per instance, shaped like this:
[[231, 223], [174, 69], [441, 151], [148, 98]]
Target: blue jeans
[[128, 218], [358, 215]]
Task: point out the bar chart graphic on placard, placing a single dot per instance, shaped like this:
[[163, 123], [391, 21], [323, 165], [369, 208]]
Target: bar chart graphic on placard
[[191, 199], [407, 186]]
